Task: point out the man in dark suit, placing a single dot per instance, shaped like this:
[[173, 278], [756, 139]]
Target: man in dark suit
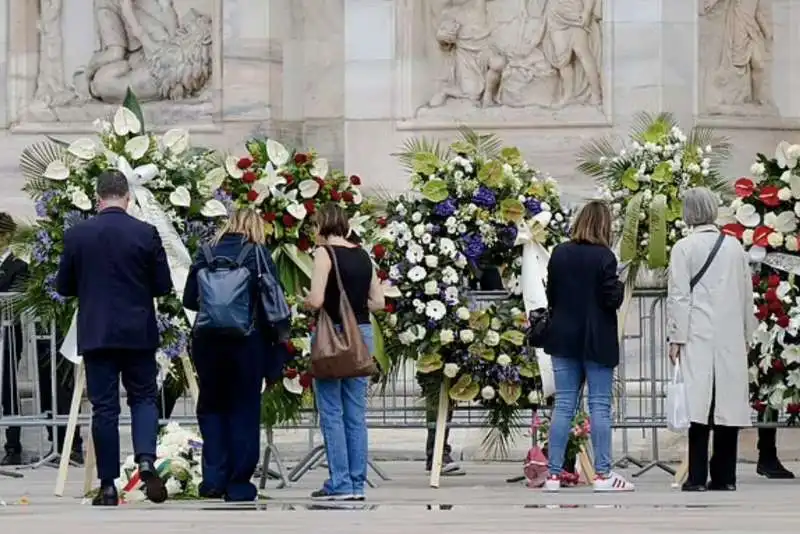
[[116, 266]]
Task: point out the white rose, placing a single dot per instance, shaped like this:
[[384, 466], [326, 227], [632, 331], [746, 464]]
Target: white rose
[[446, 337], [775, 239], [418, 230], [451, 370], [462, 313], [785, 194], [747, 237], [431, 261], [466, 336], [431, 287], [417, 217], [503, 360], [488, 393], [492, 338]]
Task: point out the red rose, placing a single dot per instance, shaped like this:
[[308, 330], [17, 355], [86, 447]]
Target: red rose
[[771, 295], [774, 280], [761, 235], [252, 196], [336, 196], [289, 178], [310, 206], [290, 348], [303, 244], [762, 312], [355, 180], [249, 177], [793, 408], [320, 182], [756, 281], [759, 406], [769, 196], [783, 321], [306, 380], [744, 187], [244, 163], [288, 220], [735, 230], [383, 275], [269, 216], [390, 307], [778, 365], [379, 251], [300, 158], [382, 222], [290, 373], [347, 196], [776, 307]]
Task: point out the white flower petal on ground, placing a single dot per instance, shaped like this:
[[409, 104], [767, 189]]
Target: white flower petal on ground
[[308, 188], [748, 216], [298, 211], [292, 385], [181, 197], [137, 147], [81, 200], [84, 149], [320, 168], [56, 170], [176, 141], [214, 208], [231, 165], [125, 122], [277, 153]]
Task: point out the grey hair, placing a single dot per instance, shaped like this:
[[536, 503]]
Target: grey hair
[[700, 206]]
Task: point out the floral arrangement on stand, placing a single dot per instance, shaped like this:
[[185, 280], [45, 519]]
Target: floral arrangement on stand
[[178, 463], [579, 437], [644, 183], [765, 216], [166, 177]]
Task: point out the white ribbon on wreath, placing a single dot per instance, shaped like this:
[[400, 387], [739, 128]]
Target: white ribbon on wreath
[[146, 208], [534, 295]]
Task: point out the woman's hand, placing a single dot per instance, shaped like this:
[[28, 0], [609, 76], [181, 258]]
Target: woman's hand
[[674, 353]]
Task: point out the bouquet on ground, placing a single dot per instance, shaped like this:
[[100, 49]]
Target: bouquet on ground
[[166, 177], [644, 183], [579, 436]]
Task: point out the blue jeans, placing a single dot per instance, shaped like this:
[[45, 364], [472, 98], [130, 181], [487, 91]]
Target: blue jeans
[[342, 406], [569, 377]]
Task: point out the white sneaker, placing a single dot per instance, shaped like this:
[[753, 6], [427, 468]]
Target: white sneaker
[[552, 484], [611, 483]]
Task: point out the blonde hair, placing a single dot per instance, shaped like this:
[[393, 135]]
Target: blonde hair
[[245, 221], [593, 224]]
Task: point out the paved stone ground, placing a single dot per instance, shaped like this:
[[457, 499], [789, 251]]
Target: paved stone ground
[[480, 502]]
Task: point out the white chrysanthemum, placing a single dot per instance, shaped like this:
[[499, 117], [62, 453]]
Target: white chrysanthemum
[[417, 274], [436, 310], [414, 253]]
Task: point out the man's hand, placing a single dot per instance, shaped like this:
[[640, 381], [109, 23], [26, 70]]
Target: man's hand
[[674, 353]]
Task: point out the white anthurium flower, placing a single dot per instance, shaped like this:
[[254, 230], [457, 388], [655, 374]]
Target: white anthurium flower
[[273, 181], [231, 165], [277, 153], [56, 170], [748, 216], [298, 211], [181, 197], [176, 141], [793, 378], [783, 222], [791, 354], [357, 197], [308, 188], [126, 122], [214, 208], [543, 217], [141, 174], [776, 397], [357, 224], [81, 200], [786, 176], [794, 185], [320, 168], [783, 289], [84, 149], [213, 180], [787, 155], [726, 215], [137, 147], [393, 292], [292, 385]]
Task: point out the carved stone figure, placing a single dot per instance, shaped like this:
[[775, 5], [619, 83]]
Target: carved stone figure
[[50, 83], [143, 46], [740, 76]]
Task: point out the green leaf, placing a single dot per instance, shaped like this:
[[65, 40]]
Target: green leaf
[[435, 190], [512, 210], [465, 390], [515, 337], [657, 131], [527, 371], [630, 229], [429, 363], [662, 173], [658, 232], [379, 346], [511, 155], [510, 393], [303, 260], [629, 179], [132, 103], [482, 351], [425, 163], [491, 174], [674, 210]]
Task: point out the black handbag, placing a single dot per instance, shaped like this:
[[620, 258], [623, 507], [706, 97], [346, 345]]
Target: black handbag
[[538, 327], [271, 297]]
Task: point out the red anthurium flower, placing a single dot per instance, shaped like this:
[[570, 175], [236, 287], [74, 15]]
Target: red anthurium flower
[[773, 280], [390, 307], [320, 182], [244, 163], [306, 380], [769, 196], [336, 196], [734, 229], [379, 251], [759, 406], [744, 187], [778, 365], [761, 234], [289, 178], [300, 158], [382, 222], [290, 373], [310, 206], [252, 195]]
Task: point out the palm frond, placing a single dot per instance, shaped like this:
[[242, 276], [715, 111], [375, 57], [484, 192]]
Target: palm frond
[[419, 145], [22, 241], [592, 153], [487, 146], [504, 424], [33, 163], [644, 122]]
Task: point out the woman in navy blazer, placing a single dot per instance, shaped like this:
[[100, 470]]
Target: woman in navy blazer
[[584, 294]]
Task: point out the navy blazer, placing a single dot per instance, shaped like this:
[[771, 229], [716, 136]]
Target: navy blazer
[[115, 265], [583, 294]]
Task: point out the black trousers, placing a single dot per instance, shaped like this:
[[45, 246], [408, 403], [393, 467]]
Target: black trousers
[[722, 465], [767, 438]]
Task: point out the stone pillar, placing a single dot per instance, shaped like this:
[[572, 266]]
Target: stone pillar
[[3, 63]]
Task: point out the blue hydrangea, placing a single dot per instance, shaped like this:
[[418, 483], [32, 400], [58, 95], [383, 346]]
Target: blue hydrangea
[[474, 247], [533, 206], [445, 208], [484, 198]]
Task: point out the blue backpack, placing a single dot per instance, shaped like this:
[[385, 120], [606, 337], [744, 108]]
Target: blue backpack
[[226, 306]]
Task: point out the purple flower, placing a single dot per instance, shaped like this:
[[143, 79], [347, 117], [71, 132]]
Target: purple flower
[[200, 230], [225, 198], [50, 291], [71, 218], [474, 247], [484, 198], [508, 235], [163, 323], [445, 208], [43, 202], [42, 247], [176, 348], [533, 206]]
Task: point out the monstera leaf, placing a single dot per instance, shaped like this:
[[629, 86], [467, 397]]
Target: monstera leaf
[[465, 390]]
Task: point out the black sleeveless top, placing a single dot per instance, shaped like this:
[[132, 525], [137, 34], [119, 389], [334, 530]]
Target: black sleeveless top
[[355, 267]]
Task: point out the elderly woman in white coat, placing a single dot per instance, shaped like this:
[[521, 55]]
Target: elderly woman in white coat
[[710, 322]]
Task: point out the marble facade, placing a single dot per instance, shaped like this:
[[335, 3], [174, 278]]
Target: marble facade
[[354, 78]]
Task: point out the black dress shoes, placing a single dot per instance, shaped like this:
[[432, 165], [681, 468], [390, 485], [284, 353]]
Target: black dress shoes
[[107, 497], [154, 487], [687, 486], [713, 486], [773, 469], [12, 458]]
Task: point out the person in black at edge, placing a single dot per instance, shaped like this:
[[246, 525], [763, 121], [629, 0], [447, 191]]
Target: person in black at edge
[[769, 465], [13, 274]]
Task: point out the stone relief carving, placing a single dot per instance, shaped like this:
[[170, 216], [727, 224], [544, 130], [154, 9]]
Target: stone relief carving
[[144, 45], [517, 53], [737, 78]]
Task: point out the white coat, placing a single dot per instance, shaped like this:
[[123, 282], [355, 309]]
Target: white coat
[[714, 323]]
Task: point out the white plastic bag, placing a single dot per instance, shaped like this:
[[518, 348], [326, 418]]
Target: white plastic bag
[[677, 402]]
